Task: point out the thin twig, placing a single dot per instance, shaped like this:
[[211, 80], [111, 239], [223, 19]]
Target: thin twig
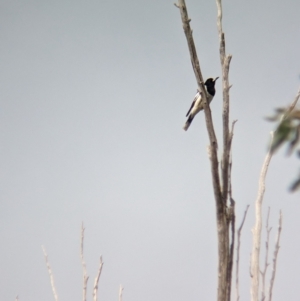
[[231, 132], [264, 272], [276, 250], [250, 274], [238, 254], [85, 276], [293, 104], [256, 231], [121, 292], [231, 220], [96, 282], [50, 275], [231, 248]]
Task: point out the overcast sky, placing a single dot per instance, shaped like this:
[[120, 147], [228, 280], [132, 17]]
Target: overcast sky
[[93, 100]]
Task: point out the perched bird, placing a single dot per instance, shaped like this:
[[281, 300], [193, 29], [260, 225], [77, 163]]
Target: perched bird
[[197, 104]]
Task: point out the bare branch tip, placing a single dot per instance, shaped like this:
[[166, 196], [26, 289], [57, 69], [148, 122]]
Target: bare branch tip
[[176, 5]]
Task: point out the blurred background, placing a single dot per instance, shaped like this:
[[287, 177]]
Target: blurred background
[[93, 100]]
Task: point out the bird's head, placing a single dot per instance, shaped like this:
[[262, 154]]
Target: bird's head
[[210, 82]]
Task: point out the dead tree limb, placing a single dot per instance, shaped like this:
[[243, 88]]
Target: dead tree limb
[[256, 231], [225, 63], [85, 276], [276, 250], [264, 272], [121, 292], [50, 275], [239, 231], [96, 282]]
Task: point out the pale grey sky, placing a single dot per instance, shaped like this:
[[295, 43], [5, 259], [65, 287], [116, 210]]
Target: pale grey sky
[[93, 100]]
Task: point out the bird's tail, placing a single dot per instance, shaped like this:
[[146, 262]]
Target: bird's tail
[[188, 123]]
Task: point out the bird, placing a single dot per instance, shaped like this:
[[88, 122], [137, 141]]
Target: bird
[[197, 104]]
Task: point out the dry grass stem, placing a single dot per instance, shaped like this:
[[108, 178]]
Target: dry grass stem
[[264, 272], [50, 275], [121, 292], [276, 250], [85, 276], [96, 282], [239, 231]]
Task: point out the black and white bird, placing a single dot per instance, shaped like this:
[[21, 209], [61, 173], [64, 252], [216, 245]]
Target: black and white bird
[[197, 104]]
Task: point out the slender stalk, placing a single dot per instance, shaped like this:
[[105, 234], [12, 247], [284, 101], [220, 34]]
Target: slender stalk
[[121, 292], [275, 257], [264, 272], [85, 276], [96, 282], [256, 231], [239, 231], [50, 275]]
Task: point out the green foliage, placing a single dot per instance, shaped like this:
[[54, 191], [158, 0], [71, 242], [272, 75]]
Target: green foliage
[[287, 132]]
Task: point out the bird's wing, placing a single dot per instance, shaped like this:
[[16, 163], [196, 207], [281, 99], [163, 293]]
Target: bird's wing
[[193, 103]]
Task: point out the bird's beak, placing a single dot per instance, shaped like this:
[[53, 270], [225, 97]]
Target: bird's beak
[[216, 79]]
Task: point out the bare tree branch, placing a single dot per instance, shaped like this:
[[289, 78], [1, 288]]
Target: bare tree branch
[[256, 231], [50, 275], [96, 282], [209, 123], [17, 298], [85, 276], [231, 219], [276, 250], [225, 63], [121, 292], [264, 272], [238, 254], [227, 141]]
